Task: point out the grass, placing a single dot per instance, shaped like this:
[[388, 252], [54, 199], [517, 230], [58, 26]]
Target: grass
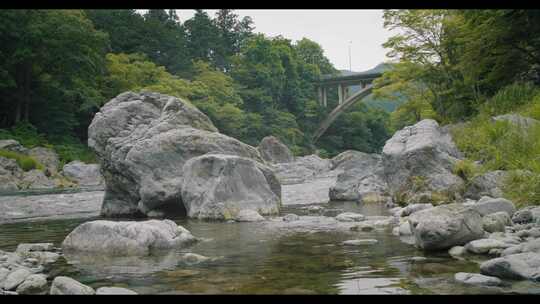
[[27, 163]]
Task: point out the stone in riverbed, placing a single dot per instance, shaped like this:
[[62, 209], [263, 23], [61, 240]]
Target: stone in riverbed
[[220, 186], [496, 221], [83, 174], [274, 151], [523, 216], [410, 209], [114, 291], [445, 226], [15, 278], [127, 238], [350, 217], [485, 245], [36, 179], [360, 242], [67, 286], [28, 247], [522, 266], [457, 251], [487, 184], [47, 157], [193, 258], [33, 284], [248, 216], [487, 205], [477, 279], [291, 217]]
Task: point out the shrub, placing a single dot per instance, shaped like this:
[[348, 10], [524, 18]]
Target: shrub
[[510, 98], [465, 169], [523, 188], [27, 163]]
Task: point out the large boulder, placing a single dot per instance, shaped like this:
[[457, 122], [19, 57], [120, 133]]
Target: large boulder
[[362, 178], [487, 184], [83, 174], [487, 205], [274, 151], [521, 266], [445, 226], [143, 141], [301, 169], [421, 158], [10, 174], [126, 238], [217, 186], [47, 157]]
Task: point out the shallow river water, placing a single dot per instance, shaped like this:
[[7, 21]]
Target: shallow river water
[[254, 258]]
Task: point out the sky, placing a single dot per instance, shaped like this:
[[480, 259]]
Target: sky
[[334, 30]]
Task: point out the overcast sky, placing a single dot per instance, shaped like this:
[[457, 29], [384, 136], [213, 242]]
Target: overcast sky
[[334, 30]]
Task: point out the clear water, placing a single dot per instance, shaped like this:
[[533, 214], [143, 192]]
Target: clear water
[[249, 258]]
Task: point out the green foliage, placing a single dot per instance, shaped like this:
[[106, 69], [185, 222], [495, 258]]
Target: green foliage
[[465, 169], [510, 98], [523, 188], [26, 134], [26, 162]]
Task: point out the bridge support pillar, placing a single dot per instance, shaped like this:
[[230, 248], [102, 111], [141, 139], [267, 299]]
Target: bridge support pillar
[[324, 97], [340, 93]]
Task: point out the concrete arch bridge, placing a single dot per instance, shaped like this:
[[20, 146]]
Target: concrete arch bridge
[[352, 87]]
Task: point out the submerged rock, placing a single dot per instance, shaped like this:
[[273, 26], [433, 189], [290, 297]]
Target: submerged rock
[[67, 286], [221, 186], [360, 242], [350, 217], [127, 238], [274, 151], [143, 141], [445, 226], [248, 216], [421, 158]]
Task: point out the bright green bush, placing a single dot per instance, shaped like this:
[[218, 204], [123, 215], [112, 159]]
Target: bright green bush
[[27, 163]]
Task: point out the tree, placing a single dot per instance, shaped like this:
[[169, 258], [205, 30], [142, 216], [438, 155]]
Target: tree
[[202, 36]]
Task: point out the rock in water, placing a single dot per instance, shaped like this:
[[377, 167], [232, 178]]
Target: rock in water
[[483, 246], [114, 291], [301, 169], [33, 284], [274, 151], [219, 186], [15, 278], [421, 158], [68, 286], [248, 216], [362, 178], [143, 141], [83, 174], [476, 279], [445, 226], [495, 222], [127, 238], [521, 266], [350, 217]]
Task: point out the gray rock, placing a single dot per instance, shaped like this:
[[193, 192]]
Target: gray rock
[[3, 274], [67, 286], [476, 279], [127, 238], [487, 206], [512, 250], [457, 251], [34, 284], [274, 151], [220, 186], [360, 242], [12, 145], [362, 179], [143, 141], [47, 157], [531, 246], [350, 217], [485, 245], [301, 169], [421, 158], [28, 247], [36, 179], [10, 174], [496, 221], [523, 216], [248, 216], [489, 184], [364, 226], [291, 217], [114, 291], [15, 278], [522, 266], [410, 209], [405, 228], [83, 174], [445, 226]]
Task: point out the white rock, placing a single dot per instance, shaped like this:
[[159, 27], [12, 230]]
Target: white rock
[[68, 286], [114, 291]]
